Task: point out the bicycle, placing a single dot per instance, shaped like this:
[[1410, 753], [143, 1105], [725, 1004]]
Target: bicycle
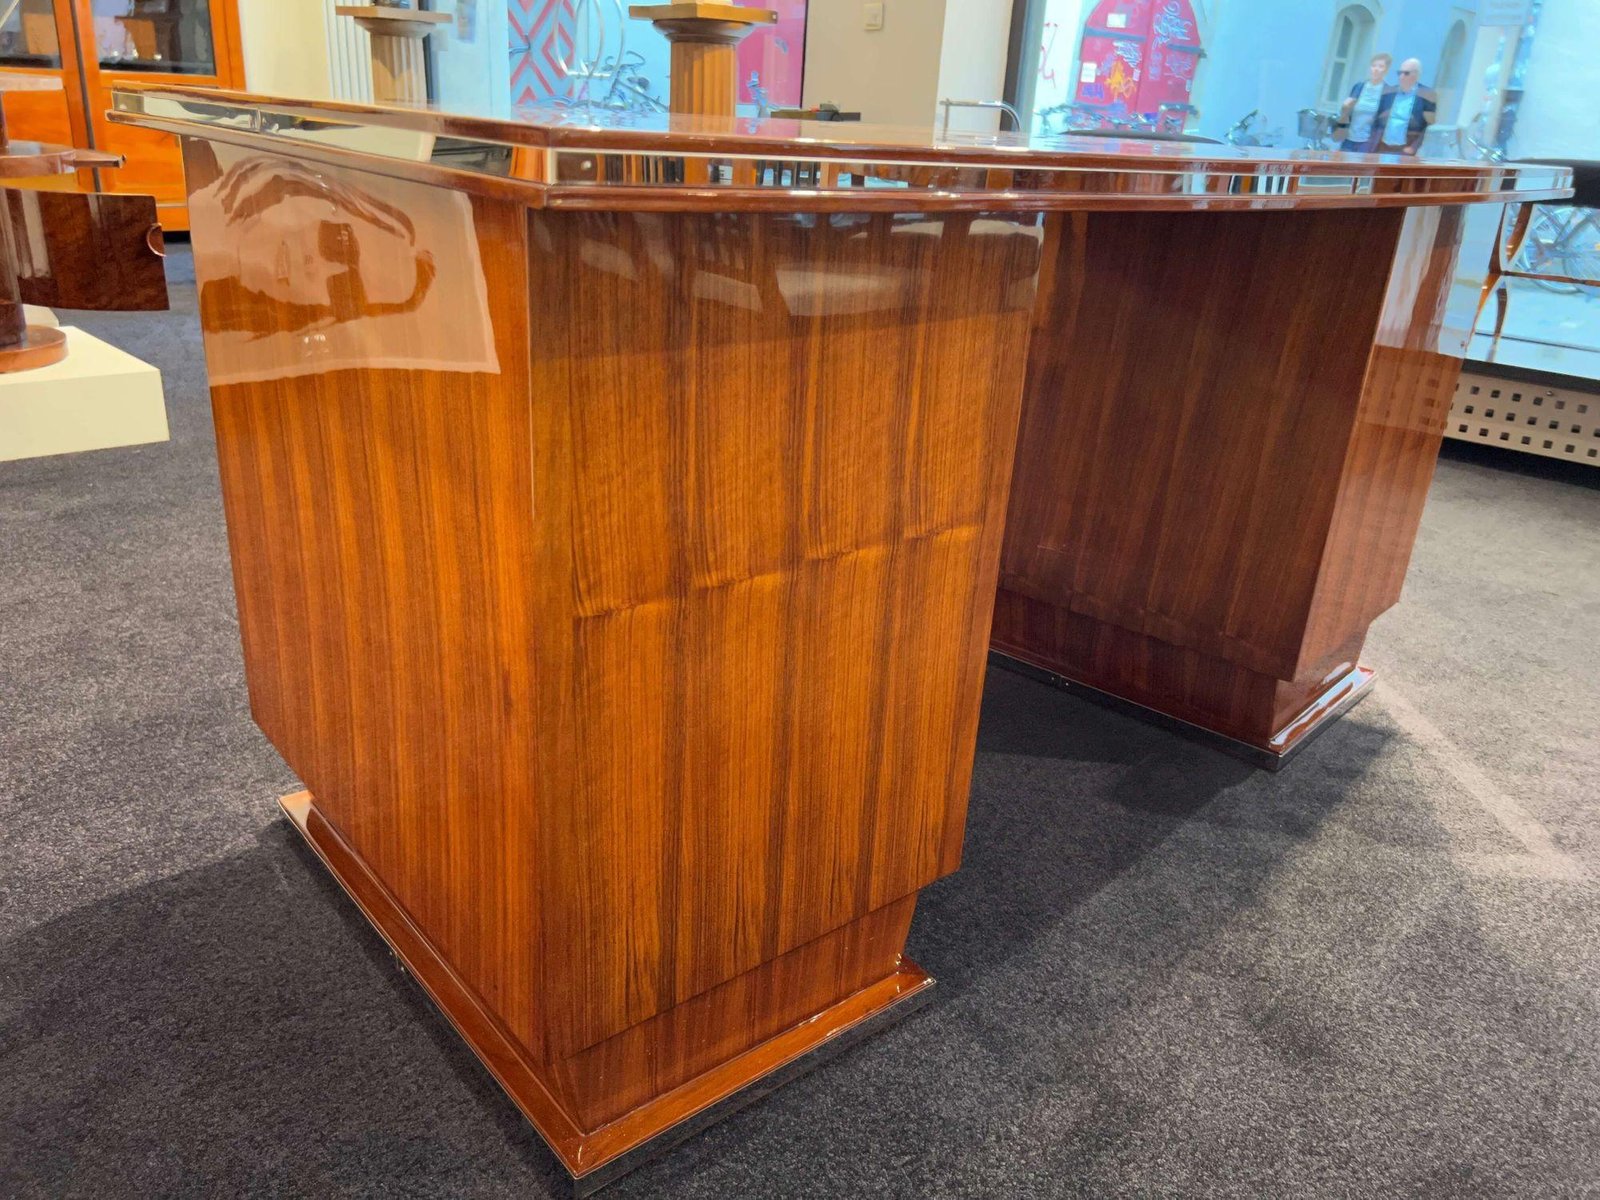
[[1472, 133], [1560, 241], [1247, 131]]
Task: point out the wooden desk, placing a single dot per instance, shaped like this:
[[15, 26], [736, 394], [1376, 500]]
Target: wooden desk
[[616, 558]]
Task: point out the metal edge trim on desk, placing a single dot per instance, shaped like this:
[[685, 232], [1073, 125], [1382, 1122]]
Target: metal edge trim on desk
[[623, 178]]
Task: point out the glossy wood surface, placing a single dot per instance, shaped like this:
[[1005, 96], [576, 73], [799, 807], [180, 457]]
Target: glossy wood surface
[[618, 574], [620, 587], [87, 251], [530, 1084], [1217, 492], [64, 248], [577, 158]]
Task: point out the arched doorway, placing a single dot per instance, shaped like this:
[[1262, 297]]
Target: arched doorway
[[1349, 52], [1452, 73]]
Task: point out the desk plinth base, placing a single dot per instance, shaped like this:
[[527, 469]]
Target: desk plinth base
[[596, 1157], [1271, 754]]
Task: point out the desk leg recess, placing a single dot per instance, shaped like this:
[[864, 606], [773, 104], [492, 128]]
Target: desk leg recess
[[1227, 439]]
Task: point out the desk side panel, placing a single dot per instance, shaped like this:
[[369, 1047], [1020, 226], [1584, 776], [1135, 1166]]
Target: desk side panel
[[1389, 465], [1193, 385], [772, 454], [367, 344]]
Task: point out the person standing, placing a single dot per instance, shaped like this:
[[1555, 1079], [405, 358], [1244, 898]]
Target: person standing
[[1358, 114], [1405, 112]]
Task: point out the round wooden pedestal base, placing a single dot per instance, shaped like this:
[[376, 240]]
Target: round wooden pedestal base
[[40, 347]]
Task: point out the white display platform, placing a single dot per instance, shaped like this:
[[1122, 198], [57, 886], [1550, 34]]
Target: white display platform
[[1533, 418], [95, 398]]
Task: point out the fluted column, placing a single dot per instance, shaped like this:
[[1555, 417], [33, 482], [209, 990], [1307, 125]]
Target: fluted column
[[705, 58], [399, 74]]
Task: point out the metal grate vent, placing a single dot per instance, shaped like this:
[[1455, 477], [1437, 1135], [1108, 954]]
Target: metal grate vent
[[1556, 422]]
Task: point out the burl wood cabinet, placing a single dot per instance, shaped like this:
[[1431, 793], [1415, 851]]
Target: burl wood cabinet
[[95, 46], [617, 518]]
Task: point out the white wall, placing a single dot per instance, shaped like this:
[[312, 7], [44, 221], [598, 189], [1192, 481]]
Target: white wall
[[972, 58], [892, 75], [285, 47], [1560, 114]]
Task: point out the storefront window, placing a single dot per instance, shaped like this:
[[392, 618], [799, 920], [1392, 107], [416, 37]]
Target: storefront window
[[1492, 79], [1277, 72]]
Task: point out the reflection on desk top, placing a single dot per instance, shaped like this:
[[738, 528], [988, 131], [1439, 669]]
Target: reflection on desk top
[[575, 157]]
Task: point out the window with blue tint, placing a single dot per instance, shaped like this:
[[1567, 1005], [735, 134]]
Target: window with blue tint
[[1272, 72], [1437, 79]]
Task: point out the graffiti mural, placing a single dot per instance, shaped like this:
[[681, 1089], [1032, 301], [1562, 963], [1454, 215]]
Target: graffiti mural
[[1139, 57], [544, 32], [775, 57]]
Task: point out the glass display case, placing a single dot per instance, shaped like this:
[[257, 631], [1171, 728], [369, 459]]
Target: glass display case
[[92, 45], [168, 36]]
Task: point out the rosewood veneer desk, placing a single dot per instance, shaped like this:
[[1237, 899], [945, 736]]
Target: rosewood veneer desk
[[617, 514]]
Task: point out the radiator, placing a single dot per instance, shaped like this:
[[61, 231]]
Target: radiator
[[349, 55]]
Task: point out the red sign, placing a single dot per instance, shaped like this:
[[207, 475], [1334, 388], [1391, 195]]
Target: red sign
[[1138, 55], [775, 56]]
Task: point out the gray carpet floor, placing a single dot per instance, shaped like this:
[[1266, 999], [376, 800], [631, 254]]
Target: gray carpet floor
[[1162, 972]]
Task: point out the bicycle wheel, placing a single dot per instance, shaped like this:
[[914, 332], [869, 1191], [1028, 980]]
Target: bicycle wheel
[[1543, 250], [1578, 255]]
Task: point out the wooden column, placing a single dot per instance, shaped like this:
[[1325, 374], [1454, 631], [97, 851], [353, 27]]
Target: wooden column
[[705, 60], [399, 74], [21, 347]]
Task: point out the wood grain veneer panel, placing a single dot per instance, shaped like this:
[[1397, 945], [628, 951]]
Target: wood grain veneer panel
[[376, 476], [620, 587], [80, 251], [606, 1080], [1189, 405], [1230, 426], [1394, 447], [773, 454]]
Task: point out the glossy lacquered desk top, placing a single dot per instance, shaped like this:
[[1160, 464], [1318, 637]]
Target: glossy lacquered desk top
[[590, 158]]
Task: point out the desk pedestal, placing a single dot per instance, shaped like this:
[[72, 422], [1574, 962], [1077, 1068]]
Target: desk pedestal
[[1230, 427], [619, 584]]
